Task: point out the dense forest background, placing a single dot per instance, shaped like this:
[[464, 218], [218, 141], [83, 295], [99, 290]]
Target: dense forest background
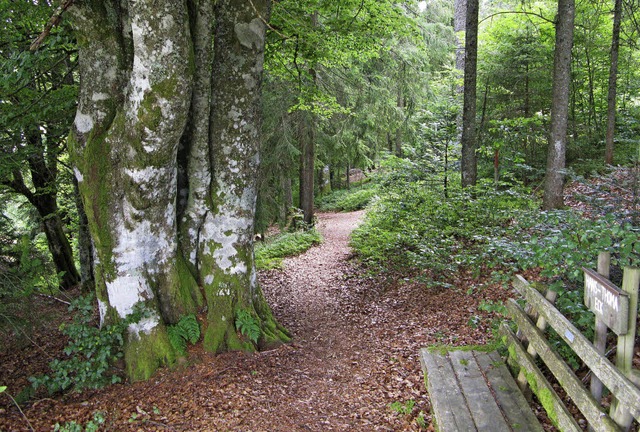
[[363, 107]]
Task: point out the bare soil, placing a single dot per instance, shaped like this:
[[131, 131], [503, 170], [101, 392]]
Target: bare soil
[[354, 353]]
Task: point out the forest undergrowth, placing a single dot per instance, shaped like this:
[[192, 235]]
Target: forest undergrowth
[[431, 269]]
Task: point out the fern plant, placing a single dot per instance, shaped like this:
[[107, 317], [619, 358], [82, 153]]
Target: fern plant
[[247, 325], [186, 330]]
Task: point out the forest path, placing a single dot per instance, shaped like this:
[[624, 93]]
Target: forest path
[[354, 353], [337, 378]]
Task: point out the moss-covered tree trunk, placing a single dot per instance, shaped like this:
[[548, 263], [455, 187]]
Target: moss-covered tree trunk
[[167, 233], [230, 281]]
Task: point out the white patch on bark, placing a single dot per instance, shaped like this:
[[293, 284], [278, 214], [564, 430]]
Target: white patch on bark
[[140, 248], [102, 309], [167, 23], [167, 48], [97, 97], [253, 281], [83, 122], [249, 81], [145, 325], [148, 179], [250, 34], [140, 72], [233, 167], [112, 72], [126, 291], [558, 146], [223, 229], [78, 174]]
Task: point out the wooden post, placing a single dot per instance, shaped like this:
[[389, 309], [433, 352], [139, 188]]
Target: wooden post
[[600, 338], [624, 352]]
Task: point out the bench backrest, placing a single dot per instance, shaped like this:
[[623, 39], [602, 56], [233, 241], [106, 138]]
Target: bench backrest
[[625, 392]]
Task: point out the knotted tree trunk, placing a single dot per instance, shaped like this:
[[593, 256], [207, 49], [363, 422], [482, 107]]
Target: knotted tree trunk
[[166, 159]]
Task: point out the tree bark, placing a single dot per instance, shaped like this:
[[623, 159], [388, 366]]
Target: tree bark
[[235, 141], [307, 140], [613, 82], [167, 170], [459, 25], [400, 106], [469, 161], [287, 201], [85, 248], [554, 180]]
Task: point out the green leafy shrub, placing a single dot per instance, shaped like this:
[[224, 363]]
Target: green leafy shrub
[[92, 425], [402, 408], [248, 325], [186, 330], [560, 243], [347, 200], [90, 351], [411, 226], [270, 253]]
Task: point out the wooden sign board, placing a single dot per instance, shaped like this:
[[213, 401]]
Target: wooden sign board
[[607, 301]]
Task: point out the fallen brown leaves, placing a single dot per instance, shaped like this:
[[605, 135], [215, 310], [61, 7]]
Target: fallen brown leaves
[[355, 352]]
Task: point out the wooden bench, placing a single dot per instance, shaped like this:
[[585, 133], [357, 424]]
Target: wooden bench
[[615, 309], [474, 391]]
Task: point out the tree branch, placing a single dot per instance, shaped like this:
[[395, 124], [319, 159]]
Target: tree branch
[[517, 12], [53, 21]]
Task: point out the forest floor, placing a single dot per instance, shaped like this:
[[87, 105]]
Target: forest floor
[[352, 365]]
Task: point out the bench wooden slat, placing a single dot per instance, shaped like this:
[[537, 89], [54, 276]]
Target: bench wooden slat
[[508, 395], [473, 391], [590, 408], [542, 388], [484, 409], [626, 392], [449, 408]]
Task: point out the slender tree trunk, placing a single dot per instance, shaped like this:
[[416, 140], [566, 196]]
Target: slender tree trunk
[[613, 82], [591, 117], [398, 139], [287, 201], [301, 159], [59, 246], [469, 161], [43, 169], [400, 105], [459, 25], [554, 180], [308, 140]]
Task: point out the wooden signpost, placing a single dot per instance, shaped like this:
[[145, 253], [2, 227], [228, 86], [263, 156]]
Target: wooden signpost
[[608, 302], [615, 309]]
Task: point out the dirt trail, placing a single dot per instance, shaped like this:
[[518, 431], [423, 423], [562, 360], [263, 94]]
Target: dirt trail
[[354, 353]]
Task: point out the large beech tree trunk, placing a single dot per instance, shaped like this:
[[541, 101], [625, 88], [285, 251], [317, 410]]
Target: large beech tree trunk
[[554, 180], [166, 161]]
